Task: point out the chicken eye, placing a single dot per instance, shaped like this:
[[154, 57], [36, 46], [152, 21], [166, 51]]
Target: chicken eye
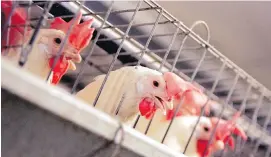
[[57, 40], [155, 83], [206, 129]]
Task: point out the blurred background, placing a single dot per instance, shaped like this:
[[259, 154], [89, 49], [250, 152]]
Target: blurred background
[[239, 30]]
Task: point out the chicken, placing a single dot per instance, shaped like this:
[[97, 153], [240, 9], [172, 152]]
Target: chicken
[[18, 19], [186, 118], [184, 96], [182, 127], [190, 98], [41, 56], [137, 87], [47, 44]]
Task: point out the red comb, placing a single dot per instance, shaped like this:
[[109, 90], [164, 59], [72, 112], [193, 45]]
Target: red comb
[[81, 33], [174, 84], [18, 18], [226, 128]]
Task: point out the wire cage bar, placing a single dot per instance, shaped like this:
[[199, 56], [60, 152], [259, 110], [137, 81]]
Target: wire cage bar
[[159, 41], [82, 115]]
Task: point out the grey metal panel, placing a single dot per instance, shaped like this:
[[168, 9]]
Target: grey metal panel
[[28, 131]]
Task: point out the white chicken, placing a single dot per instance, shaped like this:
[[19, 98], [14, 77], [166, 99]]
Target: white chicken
[[181, 129], [37, 62], [193, 100], [136, 87], [47, 44]]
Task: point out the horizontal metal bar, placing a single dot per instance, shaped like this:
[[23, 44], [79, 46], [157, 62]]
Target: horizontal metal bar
[[129, 45], [103, 13], [240, 98], [223, 89], [134, 46], [207, 80], [139, 36], [200, 70], [157, 52], [213, 50], [76, 111]]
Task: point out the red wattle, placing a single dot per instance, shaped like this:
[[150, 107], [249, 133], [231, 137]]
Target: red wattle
[[18, 18], [147, 108], [60, 68], [201, 145], [170, 114]]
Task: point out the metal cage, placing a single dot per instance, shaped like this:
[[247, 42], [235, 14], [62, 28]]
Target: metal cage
[[142, 32]]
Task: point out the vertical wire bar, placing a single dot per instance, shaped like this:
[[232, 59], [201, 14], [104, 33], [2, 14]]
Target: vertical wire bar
[[63, 44], [144, 51], [194, 74], [256, 111], [242, 108], [198, 66], [25, 26], [169, 48], [182, 98], [232, 89], [185, 38], [27, 49], [244, 102], [221, 113], [217, 78], [179, 52], [202, 110], [175, 61], [150, 37], [120, 104], [258, 142], [252, 121], [160, 67], [79, 75], [7, 25], [268, 152], [117, 53]]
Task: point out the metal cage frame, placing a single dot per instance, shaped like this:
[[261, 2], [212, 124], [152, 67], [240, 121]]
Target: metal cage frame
[[248, 88]]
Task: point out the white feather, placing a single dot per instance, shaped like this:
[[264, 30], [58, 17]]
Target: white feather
[[120, 82], [178, 134], [37, 61]]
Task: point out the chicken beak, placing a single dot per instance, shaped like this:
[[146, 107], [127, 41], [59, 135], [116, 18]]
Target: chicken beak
[[170, 104], [160, 104], [72, 66]]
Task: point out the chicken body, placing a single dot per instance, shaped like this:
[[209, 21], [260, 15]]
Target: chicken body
[[178, 134], [182, 128], [127, 86], [192, 100]]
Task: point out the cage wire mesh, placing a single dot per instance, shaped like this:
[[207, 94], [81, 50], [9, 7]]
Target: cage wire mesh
[[122, 37]]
